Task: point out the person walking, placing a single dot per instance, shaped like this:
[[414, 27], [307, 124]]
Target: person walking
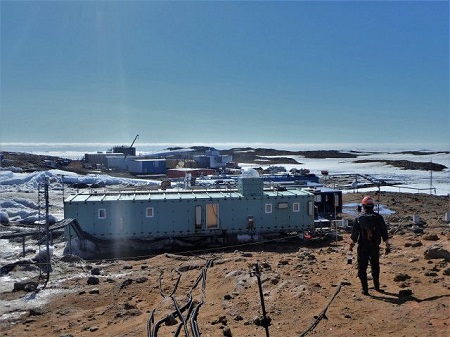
[[368, 230]]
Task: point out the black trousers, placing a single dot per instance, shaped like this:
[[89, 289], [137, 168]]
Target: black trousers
[[368, 254]]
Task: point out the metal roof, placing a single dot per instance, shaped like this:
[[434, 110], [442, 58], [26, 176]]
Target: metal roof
[[177, 195]]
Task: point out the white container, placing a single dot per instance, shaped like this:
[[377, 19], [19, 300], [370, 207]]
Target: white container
[[447, 217]]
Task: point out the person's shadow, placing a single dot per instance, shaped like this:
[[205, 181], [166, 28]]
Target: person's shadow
[[394, 298]]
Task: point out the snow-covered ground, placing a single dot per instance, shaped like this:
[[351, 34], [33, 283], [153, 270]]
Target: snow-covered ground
[[19, 191], [412, 180]]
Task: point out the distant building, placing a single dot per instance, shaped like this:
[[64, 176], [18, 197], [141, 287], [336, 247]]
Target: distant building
[[118, 163], [99, 158], [147, 166], [124, 159], [126, 150], [213, 159]]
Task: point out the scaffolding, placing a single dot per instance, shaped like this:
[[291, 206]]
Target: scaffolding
[[44, 259]]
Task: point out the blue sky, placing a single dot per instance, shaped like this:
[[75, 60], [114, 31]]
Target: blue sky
[[216, 72]]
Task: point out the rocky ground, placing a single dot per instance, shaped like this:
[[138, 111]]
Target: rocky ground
[[308, 287]]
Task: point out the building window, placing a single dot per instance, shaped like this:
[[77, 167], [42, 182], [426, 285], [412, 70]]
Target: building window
[[149, 212], [310, 208], [318, 198], [283, 205], [268, 208], [296, 207], [198, 217], [102, 213]]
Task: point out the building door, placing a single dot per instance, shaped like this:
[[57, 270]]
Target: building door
[[212, 216]]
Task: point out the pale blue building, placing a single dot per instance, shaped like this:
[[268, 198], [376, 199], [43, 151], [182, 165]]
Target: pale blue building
[[151, 219]]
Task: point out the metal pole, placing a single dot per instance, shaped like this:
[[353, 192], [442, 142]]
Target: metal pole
[[335, 201], [47, 233], [379, 193], [70, 240], [257, 273]]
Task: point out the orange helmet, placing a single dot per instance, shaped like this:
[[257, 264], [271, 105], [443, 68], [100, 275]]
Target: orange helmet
[[367, 201]]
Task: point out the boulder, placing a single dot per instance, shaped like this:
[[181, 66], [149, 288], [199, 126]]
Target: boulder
[[405, 293], [437, 252], [401, 277], [27, 286], [96, 271], [93, 280]]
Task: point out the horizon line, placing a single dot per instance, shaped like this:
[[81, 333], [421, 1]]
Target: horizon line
[[224, 145]]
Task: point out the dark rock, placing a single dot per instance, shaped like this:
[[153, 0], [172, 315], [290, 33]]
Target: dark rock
[[260, 321], [417, 230], [182, 269], [431, 273], [401, 277], [27, 286], [126, 283], [141, 279], [222, 320], [227, 332], [128, 306], [275, 280], [134, 312], [36, 312], [93, 280], [94, 291], [7, 268], [431, 237], [63, 312], [96, 271], [266, 265], [405, 293], [436, 252], [170, 320]]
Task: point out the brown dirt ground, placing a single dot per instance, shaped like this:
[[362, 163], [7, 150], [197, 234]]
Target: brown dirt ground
[[298, 281]]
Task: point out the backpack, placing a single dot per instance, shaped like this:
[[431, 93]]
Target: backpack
[[370, 230]]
